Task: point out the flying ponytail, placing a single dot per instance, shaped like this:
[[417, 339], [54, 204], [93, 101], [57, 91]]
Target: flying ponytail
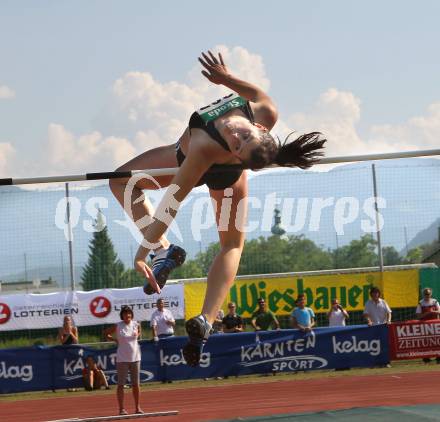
[[302, 152]]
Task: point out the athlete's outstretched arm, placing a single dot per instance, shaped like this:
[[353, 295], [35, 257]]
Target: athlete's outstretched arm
[[217, 72]]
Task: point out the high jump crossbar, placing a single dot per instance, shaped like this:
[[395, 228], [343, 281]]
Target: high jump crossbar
[[214, 169]]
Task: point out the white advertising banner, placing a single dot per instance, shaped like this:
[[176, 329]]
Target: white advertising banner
[[33, 311]]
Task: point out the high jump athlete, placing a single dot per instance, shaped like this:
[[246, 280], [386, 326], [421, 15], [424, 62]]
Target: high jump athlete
[[231, 134]]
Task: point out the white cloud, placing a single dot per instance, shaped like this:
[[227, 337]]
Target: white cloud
[[247, 66], [65, 152], [154, 113], [6, 93], [144, 112], [420, 132], [141, 103], [337, 113], [143, 141], [7, 154]]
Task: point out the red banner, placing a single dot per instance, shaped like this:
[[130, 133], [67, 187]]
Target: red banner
[[414, 339]]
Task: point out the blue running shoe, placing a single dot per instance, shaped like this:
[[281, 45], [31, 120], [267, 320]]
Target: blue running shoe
[[198, 330], [162, 267]]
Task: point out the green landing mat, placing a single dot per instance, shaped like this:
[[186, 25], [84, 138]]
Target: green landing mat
[[365, 414]]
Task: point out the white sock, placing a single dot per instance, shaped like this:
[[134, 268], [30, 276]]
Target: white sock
[[203, 318]]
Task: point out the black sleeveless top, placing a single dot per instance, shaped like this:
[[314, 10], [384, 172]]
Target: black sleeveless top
[[68, 340], [220, 176]]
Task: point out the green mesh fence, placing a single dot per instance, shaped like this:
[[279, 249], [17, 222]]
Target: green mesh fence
[[298, 221]]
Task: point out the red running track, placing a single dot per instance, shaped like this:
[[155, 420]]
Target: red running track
[[243, 400]]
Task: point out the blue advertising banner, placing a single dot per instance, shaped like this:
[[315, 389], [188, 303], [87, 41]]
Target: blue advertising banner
[[25, 369], [60, 367]]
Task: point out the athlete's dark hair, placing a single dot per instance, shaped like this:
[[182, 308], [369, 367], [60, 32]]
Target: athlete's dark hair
[[303, 152]]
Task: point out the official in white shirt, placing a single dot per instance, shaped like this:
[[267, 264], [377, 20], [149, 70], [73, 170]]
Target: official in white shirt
[[162, 321], [377, 310]]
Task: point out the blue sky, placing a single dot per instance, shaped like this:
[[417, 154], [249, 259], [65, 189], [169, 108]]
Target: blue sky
[[365, 73]]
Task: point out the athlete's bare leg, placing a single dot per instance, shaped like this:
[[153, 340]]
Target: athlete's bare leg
[[161, 157], [225, 265], [223, 269]]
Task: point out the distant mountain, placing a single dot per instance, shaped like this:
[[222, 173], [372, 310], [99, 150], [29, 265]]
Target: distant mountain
[[9, 189], [331, 208], [429, 235], [62, 275]]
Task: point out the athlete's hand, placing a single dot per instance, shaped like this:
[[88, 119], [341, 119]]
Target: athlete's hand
[[142, 268], [216, 70]]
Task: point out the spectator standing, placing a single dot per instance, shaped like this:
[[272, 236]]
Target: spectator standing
[[337, 315], [217, 326], [162, 321], [303, 317], [377, 310], [262, 319], [68, 333], [232, 322], [428, 308], [93, 376], [128, 355]]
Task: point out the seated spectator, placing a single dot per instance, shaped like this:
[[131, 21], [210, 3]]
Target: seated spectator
[[428, 308], [303, 318], [377, 310], [262, 319], [217, 326], [68, 333], [93, 376], [337, 315], [232, 322], [162, 321]]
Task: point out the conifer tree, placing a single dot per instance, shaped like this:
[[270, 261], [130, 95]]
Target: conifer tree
[[104, 269]]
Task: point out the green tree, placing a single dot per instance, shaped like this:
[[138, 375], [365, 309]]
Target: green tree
[[391, 256], [205, 259], [263, 256], [131, 278], [414, 255], [277, 254], [305, 255], [103, 269], [274, 254], [190, 269], [358, 253]]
